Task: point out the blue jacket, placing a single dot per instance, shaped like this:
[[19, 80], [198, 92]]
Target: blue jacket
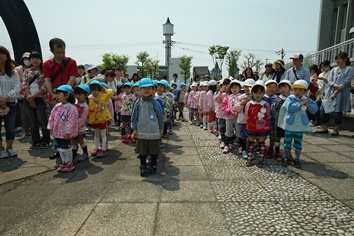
[[293, 116], [147, 118]]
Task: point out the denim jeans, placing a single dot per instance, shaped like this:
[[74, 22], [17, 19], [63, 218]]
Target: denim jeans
[[38, 118], [9, 121]]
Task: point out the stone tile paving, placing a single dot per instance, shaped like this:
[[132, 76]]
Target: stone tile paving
[[272, 200]]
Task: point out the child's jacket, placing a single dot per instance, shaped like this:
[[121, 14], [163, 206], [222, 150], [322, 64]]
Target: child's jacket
[[292, 115], [63, 120], [98, 110]]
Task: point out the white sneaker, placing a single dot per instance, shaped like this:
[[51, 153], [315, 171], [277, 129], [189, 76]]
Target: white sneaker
[[219, 136], [240, 150], [222, 145], [205, 128], [11, 152], [244, 155], [3, 153]]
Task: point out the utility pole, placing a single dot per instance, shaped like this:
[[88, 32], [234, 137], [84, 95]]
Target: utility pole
[[281, 53], [267, 59]]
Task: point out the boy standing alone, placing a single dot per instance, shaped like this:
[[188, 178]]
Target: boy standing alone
[[147, 122]]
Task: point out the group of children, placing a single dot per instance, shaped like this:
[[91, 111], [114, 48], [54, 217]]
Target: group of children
[[250, 111], [138, 118]]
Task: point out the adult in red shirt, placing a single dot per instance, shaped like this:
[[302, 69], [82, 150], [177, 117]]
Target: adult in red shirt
[[66, 71], [51, 67]]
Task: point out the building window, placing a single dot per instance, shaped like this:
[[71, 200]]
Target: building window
[[334, 26]]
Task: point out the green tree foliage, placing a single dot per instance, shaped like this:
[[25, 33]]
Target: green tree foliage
[[218, 54], [186, 66], [152, 67], [112, 60], [141, 63], [232, 58]]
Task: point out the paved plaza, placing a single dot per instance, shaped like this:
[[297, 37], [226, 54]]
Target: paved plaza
[[198, 191]]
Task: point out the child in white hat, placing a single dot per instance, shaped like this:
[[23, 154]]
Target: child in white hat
[[294, 120]]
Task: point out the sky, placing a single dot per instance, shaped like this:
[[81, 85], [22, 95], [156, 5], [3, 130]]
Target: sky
[[92, 28]]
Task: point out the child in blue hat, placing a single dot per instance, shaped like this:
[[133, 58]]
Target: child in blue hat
[[147, 122], [126, 112], [63, 125], [82, 92]]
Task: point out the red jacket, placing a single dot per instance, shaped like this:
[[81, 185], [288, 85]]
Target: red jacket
[[257, 115]]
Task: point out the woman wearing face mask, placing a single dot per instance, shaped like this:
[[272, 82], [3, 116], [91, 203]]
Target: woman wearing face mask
[[22, 120]]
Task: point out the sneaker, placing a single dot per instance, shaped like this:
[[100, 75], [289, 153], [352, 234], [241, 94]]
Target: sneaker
[[43, 145], [34, 146], [226, 149], [260, 162], [285, 162], [205, 128], [197, 124], [210, 130], [3, 153], [240, 151], [101, 153], [244, 155], [144, 170], [153, 170], [219, 136], [191, 122], [125, 139], [54, 155], [69, 166], [222, 145], [118, 128], [249, 163], [11, 152], [18, 129], [61, 167], [132, 139], [297, 164], [94, 152], [82, 157], [279, 157]]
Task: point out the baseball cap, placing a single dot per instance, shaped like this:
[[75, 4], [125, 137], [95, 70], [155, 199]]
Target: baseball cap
[[270, 81], [258, 83], [26, 54], [297, 56]]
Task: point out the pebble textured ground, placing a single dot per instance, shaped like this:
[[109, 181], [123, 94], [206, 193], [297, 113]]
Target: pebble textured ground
[[271, 200]]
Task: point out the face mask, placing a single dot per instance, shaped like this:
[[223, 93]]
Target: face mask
[[26, 62]]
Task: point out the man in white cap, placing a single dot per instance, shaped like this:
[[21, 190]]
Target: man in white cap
[[298, 71], [91, 73]]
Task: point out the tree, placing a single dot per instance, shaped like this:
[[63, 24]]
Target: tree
[[186, 66], [141, 63], [232, 58], [252, 61], [152, 67], [218, 54], [112, 60]]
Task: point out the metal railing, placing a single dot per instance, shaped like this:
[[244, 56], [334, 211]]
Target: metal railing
[[331, 52]]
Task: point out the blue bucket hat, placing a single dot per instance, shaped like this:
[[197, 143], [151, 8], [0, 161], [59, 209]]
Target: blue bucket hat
[[182, 84], [104, 85], [130, 84], [120, 84], [65, 88], [94, 81], [85, 87], [164, 83], [146, 82], [136, 84]]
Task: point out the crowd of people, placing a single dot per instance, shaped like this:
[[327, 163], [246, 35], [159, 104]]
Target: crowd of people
[[64, 102]]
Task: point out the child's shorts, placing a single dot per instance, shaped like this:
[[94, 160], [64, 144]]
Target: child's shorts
[[144, 146], [125, 118], [211, 116], [221, 122], [99, 126], [63, 143], [280, 132], [257, 134], [79, 137]]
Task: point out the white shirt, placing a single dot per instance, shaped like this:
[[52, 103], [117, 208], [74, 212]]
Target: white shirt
[[10, 86]]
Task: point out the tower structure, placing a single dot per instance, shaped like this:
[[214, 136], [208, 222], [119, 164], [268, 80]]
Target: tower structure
[[168, 32]]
